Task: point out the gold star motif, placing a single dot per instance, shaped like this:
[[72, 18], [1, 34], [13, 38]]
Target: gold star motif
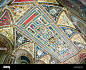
[[34, 42], [37, 26], [13, 25], [32, 21], [36, 9], [41, 13], [61, 62], [41, 23], [24, 29], [36, 2], [33, 36], [34, 29], [19, 25]]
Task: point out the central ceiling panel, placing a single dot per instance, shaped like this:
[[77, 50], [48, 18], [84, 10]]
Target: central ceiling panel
[[38, 26]]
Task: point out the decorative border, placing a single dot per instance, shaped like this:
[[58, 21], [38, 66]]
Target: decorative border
[[72, 57], [47, 2], [21, 2]]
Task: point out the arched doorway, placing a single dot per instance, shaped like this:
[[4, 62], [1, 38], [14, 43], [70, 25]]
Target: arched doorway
[[5, 47], [23, 57], [23, 60]]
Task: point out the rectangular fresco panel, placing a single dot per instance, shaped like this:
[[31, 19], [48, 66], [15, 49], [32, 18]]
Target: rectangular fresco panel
[[42, 30]]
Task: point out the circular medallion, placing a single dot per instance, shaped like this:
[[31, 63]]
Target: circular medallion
[[52, 40]]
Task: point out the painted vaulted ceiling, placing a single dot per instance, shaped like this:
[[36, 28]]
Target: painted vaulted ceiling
[[42, 31]]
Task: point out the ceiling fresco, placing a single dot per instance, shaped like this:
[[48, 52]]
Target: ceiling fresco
[[41, 31]]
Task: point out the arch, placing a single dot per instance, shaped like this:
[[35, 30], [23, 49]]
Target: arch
[[5, 47], [83, 61], [23, 60], [40, 62], [9, 59], [7, 37], [23, 52], [7, 43], [46, 58]]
